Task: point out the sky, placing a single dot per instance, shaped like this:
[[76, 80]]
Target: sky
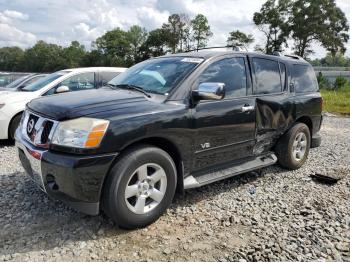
[[23, 22]]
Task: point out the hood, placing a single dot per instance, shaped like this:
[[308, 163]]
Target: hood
[[14, 96], [90, 102]]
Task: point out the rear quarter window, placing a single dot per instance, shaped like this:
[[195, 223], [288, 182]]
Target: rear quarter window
[[304, 79]]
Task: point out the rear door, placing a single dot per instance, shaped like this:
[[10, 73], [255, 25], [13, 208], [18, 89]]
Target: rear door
[[274, 108], [225, 129]]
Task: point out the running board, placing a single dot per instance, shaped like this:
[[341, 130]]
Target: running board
[[244, 167]]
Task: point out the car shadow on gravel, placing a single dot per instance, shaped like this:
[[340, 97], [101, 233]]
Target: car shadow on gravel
[[31, 221], [195, 195], [4, 143]]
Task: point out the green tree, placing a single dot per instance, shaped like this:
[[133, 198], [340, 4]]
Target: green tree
[[173, 32], [155, 45], [318, 20], [238, 38], [115, 45], [137, 38], [74, 54], [94, 58], [272, 21], [185, 33], [201, 31], [44, 57], [11, 59]]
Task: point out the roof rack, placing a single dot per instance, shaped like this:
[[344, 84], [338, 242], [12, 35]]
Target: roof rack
[[278, 53], [234, 48]]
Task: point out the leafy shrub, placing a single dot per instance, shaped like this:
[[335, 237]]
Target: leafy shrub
[[340, 82], [323, 82]]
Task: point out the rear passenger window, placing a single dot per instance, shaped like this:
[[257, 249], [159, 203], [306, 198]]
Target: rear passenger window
[[304, 79], [267, 76], [105, 77], [231, 72]]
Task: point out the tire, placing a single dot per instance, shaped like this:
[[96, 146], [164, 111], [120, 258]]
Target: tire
[[287, 147], [126, 212], [13, 126]]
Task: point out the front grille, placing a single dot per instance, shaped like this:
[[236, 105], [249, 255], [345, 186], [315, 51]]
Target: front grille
[[36, 129], [32, 120], [46, 131]]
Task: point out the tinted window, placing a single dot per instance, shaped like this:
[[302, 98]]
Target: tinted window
[[231, 72], [158, 75], [267, 76], [33, 79], [105, 77], [283, 75], [304, 79]]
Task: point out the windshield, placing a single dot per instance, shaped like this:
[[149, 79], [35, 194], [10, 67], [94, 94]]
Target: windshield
[[43, 81], [15, 83], [157, 75]]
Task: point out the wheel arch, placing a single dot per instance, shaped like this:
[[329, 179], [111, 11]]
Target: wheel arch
[[307, 121], [11, 121], [162, 143]]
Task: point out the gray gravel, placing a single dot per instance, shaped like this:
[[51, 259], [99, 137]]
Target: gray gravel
[[275, 215]]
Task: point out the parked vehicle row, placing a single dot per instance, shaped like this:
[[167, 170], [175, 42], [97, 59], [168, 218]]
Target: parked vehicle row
[[22, 82], [12, 104], [169, 123], [7, 78]]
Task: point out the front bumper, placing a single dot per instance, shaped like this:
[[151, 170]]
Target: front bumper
[[74, 179]]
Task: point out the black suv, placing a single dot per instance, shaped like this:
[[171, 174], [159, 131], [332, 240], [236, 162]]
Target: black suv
[[170, 123]]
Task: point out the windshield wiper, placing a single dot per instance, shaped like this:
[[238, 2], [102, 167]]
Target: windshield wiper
[[130, 87]]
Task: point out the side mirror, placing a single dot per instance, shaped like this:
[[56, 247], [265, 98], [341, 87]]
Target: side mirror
[[209, 91], [62, 89]]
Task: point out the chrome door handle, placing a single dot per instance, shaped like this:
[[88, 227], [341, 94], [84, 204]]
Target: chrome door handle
[[247, 108]]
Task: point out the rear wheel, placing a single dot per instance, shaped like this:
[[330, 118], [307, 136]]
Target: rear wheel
[[140, 187], [13, 126], [293, 147]]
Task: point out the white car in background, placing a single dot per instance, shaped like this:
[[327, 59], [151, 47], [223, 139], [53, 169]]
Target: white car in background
[[12, 103]]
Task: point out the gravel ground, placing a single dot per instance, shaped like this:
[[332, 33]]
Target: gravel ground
[[275, 215]]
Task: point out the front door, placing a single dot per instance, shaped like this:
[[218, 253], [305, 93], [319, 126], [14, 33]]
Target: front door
[[225, 129]]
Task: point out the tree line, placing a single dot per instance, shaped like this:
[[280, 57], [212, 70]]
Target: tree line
[[303, 21]]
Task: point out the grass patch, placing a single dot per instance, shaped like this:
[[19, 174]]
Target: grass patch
[[337, 101]]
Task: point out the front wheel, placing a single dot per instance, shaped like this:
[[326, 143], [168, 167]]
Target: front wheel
[[293, 147], [140, 187]]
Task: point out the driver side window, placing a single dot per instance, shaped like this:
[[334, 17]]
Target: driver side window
[[231, 72], [77, 82]]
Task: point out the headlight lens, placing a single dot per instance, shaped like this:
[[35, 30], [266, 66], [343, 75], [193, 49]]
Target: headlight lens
[[80, 133]]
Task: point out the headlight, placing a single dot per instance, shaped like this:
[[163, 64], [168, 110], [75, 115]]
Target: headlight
[[2, 105], [80, 133]]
